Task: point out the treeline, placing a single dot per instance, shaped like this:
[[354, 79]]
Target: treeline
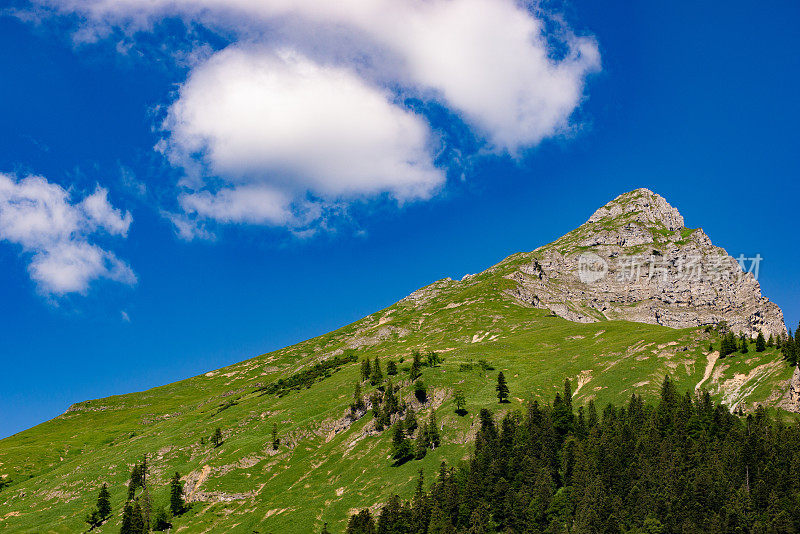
[[307, 377], [683, 465], [731, 344], [790, 347]]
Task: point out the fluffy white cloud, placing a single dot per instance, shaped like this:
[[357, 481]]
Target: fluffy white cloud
[[486, 59], [277, 125], [321, 119], [39, 216]]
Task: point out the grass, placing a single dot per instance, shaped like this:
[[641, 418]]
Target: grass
[[319, 475]]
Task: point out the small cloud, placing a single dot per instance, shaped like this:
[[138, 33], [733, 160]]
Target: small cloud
[[125, 317], [56, 233]]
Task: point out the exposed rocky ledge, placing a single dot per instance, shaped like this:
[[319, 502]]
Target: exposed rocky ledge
[[635, 260]]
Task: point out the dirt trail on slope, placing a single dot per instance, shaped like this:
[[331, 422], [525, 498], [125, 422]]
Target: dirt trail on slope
[[202, 478], [712, 360]]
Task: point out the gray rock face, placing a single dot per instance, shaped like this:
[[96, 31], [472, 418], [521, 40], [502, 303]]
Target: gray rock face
[[635, 260], [792, 401]]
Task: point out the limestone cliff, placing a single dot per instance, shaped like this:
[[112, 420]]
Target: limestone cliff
[[635, 260]]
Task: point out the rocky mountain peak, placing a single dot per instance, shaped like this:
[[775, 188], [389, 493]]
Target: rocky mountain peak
[[635, 260], [647, 207]]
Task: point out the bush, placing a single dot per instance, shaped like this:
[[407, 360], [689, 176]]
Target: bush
[[420, 391]]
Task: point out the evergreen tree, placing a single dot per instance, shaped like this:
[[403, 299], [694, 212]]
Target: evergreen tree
[[744, 348], [276, 441], [104, 502], [416, 366], [460, 401], [761, 344], [366, 369], [135, 481], [433, 359], [422, 443], [433, 431], [410, 422], [176, 503], [132, 520], [146, 503], [358, 400], [127, 520], [401, 445], [391, 368], [420, 391], [728, 345], [137, 520], [361, 523], [93, 519], [216, 437], [162, 520], [502, 388], [771, 341], [376, 378], [420, 508]]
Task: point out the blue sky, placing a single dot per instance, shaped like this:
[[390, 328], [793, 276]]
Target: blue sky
[[160, 267]]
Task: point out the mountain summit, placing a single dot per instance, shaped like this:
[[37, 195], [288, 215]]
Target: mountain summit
[[635, 260]]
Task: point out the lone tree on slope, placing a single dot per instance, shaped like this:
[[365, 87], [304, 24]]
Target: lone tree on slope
[[502, 388], [176, 503], [216, 438]]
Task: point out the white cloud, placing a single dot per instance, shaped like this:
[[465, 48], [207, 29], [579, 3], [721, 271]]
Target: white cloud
[[317, 107], [277, 126], [39, 216]]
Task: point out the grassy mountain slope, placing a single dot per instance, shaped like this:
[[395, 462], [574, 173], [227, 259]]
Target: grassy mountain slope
[[327, 467]]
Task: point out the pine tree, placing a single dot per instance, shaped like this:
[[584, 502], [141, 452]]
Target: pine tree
[[376, 378], [420, 391], [761, 344], [146, 503], [460, 401], [421, 444], [127, 520], [771, 341], [433, 359], [137, 520], [93, 519], [104, 502], [391, 368], [744, 348], [501, 388], [410, 422], [162, 520], [401, 446], [416, 366], [176, 503], [433, 431], [216, 438], [358, 400], [366, 369], [420, 508], [135, 481], [728, 345], [276, 441], [361, 523]]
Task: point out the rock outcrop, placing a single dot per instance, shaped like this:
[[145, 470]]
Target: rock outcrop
[[635, 260], [792, 400]]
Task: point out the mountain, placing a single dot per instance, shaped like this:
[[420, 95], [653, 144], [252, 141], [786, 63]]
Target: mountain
[[649, 268], [560, 311]]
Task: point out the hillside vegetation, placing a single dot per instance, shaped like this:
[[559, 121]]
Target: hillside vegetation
[[307, 435], [327, 465]]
